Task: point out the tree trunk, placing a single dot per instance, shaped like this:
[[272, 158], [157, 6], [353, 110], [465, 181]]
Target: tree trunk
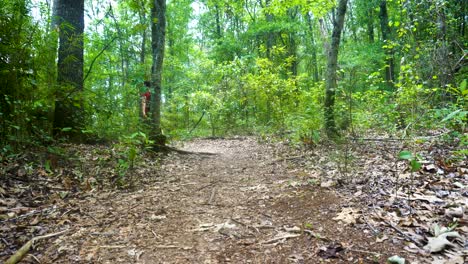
[[332, 65], [385, 29], [158, 34], [292, 47], [314, 49], [370, 25], [270, 35], [68, 104]]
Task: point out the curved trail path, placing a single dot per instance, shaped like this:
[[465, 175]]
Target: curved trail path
[[236, 206]]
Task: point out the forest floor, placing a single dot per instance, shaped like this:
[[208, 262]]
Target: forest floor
[[238, 200]]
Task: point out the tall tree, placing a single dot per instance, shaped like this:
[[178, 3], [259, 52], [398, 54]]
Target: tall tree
[[68, 102], [158, 41], [332, 65], [386, 32]]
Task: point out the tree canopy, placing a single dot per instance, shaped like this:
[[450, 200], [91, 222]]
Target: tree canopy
[[231, 67]]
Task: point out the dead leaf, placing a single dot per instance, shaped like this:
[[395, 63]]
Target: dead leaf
[[327, 184], [348, 215], [437, 244], [330, 251], [428, 198], [381, 239], [453, 260], [430, 168], [454, 212]]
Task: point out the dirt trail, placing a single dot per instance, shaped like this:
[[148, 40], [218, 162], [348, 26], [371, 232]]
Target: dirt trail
[[236, 206]]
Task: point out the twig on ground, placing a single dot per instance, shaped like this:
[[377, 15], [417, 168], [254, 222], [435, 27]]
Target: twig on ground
[[316, 235], [212, 196], [171, 246], [285, 236], [208, 185], [21, 253], [113, 246], [363, 251], [419, 244], [376, 232]]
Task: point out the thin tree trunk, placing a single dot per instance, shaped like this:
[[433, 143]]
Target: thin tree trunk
[[332, 65], [270, 35], [158, 29], [314, 49], [370, 26], [385, 29]]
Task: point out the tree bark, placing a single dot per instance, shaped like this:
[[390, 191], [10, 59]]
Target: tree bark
[[68, 104], [332, 65], [158, 34]]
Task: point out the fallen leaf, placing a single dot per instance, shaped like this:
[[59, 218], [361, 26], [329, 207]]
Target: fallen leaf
[[437, 244], [348, 215], [430, 168], [381, 239], [428, 198], [327, 184], [330, 251], [454, 212]]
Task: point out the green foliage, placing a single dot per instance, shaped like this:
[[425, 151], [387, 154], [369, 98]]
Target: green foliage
[[415, 165], [237, 67]]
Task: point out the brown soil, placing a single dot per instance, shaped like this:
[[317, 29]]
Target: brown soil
[[230, 201], [237, 206]]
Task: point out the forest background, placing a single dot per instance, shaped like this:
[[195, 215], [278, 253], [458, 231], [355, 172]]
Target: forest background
[[232, 67]]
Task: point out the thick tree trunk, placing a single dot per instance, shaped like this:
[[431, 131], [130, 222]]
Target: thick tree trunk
[[385, 29], [68, 104], [158, 29], [332, 65]]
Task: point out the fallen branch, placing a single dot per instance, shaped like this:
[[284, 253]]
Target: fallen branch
[[19, 255], [363, 251], [316, 235], [171, 247], [286, 236], [419, 244], [208, 185]]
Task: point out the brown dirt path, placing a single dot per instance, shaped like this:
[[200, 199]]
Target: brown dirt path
[[237, 206]]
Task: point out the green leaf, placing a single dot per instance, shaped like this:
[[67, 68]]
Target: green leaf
[[463, 85], [66, 129], [451, 115], [47, 166], [415, 165], [406, 155]]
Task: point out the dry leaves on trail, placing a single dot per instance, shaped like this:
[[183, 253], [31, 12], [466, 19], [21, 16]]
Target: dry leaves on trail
[[348, 216]]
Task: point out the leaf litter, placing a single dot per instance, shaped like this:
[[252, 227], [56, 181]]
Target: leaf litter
[[252, 201]]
